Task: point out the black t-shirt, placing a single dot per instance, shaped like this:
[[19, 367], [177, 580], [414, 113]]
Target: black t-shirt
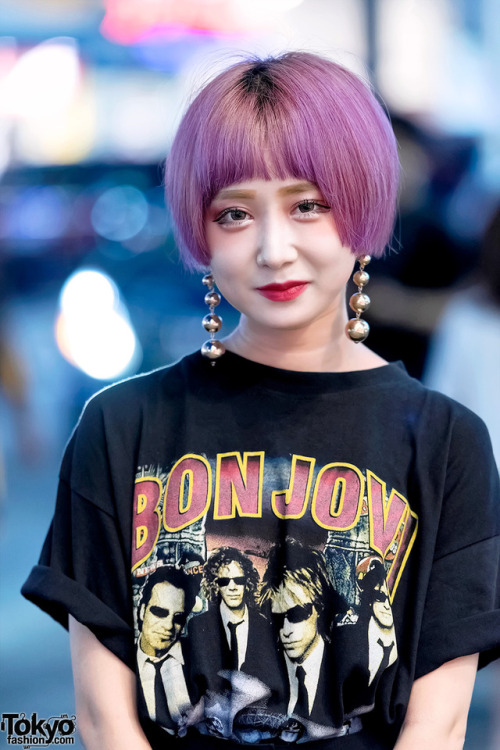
[[277, 554]]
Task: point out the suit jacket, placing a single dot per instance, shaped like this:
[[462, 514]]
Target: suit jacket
[[141, 700], [353, 648], [327, 705], [209, 651]]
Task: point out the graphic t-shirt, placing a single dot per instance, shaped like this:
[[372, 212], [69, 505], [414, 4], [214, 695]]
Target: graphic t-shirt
[[277, 554]]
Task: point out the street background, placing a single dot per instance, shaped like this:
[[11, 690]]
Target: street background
[[90, 286]]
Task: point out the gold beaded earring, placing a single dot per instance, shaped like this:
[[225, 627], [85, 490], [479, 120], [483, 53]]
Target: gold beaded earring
[[358, 329], [212, 349]]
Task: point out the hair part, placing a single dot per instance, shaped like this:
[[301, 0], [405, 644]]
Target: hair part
[[295, 116]]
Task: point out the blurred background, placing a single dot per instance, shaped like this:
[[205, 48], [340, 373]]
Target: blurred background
[[90, 286]]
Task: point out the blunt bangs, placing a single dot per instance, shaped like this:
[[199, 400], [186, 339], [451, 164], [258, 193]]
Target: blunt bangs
[[298, 116]]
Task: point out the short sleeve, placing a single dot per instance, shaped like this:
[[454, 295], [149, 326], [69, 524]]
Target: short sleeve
[[462, 609], [84, 565]]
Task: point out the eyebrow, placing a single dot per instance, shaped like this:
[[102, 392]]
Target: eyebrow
[[299, 187]]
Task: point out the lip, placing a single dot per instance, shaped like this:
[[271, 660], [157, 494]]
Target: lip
[[284, 292]]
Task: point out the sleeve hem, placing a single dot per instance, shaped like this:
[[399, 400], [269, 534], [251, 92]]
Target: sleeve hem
[[479, 634], [60, 596]]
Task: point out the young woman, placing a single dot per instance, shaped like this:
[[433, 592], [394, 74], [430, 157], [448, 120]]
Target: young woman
[[283, 538]]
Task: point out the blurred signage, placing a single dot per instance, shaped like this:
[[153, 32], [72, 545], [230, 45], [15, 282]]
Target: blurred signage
[[130, 21]]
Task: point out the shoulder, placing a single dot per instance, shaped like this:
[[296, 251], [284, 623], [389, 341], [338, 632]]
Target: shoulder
[[430, 410], [113, 416], [162, 383], [465, 430], [257, 619], [202, 621], [120, 408]]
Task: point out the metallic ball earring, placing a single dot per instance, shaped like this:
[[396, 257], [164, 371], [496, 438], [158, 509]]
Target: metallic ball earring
[[358, 329], [212, 349]]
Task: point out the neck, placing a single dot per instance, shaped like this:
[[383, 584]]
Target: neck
[[320, 349], [236, 614]]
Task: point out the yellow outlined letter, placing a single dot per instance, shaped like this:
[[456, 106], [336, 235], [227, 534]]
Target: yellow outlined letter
[[188, 492], [238, 485], [292, 502]]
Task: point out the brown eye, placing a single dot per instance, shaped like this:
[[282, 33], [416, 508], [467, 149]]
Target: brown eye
[[237, 215], [306, 206], [232, 216]]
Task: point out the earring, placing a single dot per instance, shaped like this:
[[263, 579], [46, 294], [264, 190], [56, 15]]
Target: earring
[[358, 329], [212, 349]]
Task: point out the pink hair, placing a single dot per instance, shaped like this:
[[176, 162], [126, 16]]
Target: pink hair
[[297, 115]]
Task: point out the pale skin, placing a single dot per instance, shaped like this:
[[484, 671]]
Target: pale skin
[[233, 594], [263, 232]]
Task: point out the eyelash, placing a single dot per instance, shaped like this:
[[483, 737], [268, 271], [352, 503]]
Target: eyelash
[[312, 205]]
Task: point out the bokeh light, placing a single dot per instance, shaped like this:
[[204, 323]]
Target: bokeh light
[[44, 79], [93, 330], [120, 213]]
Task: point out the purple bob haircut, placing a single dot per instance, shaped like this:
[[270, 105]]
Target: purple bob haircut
[[297, 115]]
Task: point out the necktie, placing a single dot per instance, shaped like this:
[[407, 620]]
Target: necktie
[[302, 705], [162, 713], [233, 645], [385, 659]]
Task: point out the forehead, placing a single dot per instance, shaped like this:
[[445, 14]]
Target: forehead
[[273, 187], [232, 570], [289, 595], [167, 596]]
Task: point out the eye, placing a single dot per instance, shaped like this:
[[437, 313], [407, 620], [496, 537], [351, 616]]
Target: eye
[[311, 208], [159, 611], [232, 216]]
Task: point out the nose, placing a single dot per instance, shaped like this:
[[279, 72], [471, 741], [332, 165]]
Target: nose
[[168, 624], [275, 245]]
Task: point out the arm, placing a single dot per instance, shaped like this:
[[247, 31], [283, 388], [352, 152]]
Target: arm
[[105, 694], [437, 711]]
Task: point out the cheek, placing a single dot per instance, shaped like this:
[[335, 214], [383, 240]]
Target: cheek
[[231, 253], [311, 628], [224, 270]]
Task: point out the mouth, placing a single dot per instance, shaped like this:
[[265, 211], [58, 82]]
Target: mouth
[[283, 292]]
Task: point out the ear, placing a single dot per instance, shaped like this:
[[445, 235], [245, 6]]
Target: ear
[[142, 610]]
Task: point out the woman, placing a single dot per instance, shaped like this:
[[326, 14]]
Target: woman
[[363, 507]]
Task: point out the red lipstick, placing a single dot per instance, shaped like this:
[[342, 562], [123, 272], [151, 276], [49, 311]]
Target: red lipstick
[[283, 292]]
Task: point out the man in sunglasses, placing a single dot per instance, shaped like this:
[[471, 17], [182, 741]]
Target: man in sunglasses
[[297, 590], [372, 639], [231, 634], [167, 598], [376, 619]]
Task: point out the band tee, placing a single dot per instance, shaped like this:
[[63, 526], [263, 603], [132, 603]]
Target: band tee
[[347, 523]]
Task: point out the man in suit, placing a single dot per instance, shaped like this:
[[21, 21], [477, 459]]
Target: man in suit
[[370, 644], [298, 591], [376, 619], [231, 634], [167, 598]]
